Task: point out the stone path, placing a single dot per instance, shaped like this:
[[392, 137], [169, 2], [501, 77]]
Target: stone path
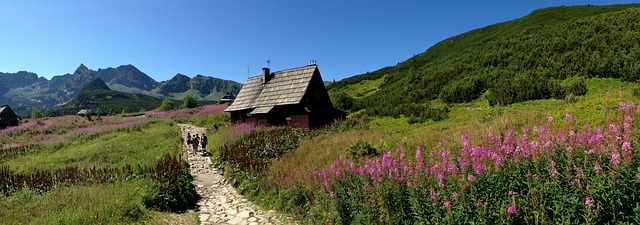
[[219, 202]]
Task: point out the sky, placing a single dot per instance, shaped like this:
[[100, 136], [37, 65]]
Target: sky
[[234, 39]]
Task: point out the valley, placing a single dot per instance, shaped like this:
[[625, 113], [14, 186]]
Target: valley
[[529, 121]]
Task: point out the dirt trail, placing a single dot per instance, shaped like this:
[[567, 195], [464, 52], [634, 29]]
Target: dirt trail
[[219, 202]]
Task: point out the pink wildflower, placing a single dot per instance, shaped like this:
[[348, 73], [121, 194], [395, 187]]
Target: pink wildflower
[[615, 158], [447, 204], [569, 118], [471, 178], [588, 202], [434, 196], [512, 209], [554, 172], [626, 146], [596, 167], [479, 169]]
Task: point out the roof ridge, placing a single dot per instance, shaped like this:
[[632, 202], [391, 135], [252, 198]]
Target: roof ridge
[[287, 70]]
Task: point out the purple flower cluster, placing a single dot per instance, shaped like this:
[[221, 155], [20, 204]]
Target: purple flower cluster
[[59, 129], [188, 114], [465, 162]]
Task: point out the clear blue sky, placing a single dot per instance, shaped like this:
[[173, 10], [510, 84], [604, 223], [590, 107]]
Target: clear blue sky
[[221, 37]]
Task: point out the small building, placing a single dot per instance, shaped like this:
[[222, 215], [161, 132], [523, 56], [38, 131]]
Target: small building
[[8, 117], [295, 98], [227, 98], [89, 106]]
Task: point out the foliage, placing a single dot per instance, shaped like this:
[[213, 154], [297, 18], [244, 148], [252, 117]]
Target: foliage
[[419, 112], [361, 149], [207, 115], [254, 151], [55, 130], [464, 90], [166, 105], [43, 181], [36, 113], [557, 171], [107, 203], [189, 102], [87, 176], [342, 101], [173, 189], [539, 56]]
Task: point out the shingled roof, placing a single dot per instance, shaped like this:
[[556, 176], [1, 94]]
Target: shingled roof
[[283, 88], [7, 114]]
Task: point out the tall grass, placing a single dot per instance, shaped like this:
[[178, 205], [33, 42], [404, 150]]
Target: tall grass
[[465, 172], [110, 203], [89, 180], [136, 147]]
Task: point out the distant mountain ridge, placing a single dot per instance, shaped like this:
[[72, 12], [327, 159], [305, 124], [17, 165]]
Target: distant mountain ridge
[[24, 90], [100, 96]]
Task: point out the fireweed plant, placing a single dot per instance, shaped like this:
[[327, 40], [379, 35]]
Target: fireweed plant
[[559, 171], [54, 130]]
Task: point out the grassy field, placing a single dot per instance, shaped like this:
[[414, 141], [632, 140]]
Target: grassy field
[[115, 202], [477, 118], [320, 182]]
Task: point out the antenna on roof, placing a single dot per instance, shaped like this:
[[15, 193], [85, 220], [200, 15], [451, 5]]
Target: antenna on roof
[[269, 64], [248, 73], [312, 62]]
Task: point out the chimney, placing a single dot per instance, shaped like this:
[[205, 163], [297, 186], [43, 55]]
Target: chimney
[[266, 75]]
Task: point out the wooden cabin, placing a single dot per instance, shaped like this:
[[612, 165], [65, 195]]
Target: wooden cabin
[[227, 98], [8, 117], [89, 106], [295, 98]]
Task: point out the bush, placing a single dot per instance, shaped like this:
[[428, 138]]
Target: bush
[[360, 149], [189, 102], [173, 189], [167, 105], [254, 151], [463, 90], [342, 101]]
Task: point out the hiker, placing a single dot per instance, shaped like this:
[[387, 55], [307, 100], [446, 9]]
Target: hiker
[[204, 142], [189, 139], [196, 142]]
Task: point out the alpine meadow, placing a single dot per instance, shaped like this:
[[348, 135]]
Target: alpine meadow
[[529, 121]]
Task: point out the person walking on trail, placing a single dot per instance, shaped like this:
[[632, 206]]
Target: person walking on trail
[[196, 143], [189, 144], [204, 142]]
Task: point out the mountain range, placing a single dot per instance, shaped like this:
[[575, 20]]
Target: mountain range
[[24, 90]]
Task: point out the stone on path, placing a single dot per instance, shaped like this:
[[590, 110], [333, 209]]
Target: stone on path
[[219, 202]]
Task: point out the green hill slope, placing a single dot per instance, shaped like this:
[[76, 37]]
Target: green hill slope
[[542, 55], [97, 92]]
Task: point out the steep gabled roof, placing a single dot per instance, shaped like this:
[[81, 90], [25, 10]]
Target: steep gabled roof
[[7, 114], [284, 88]]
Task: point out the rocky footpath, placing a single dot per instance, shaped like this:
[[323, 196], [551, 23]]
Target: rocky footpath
[[219, 202]]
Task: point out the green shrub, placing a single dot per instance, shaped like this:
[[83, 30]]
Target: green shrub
[[636, 92], [360, 149], [189, 102], [463, 90], [167, 105], [342, 101], [173, 189]]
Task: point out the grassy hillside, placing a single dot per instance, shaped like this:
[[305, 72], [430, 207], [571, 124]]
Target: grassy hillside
[[480, 165], [519, 60], [112, 170]]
